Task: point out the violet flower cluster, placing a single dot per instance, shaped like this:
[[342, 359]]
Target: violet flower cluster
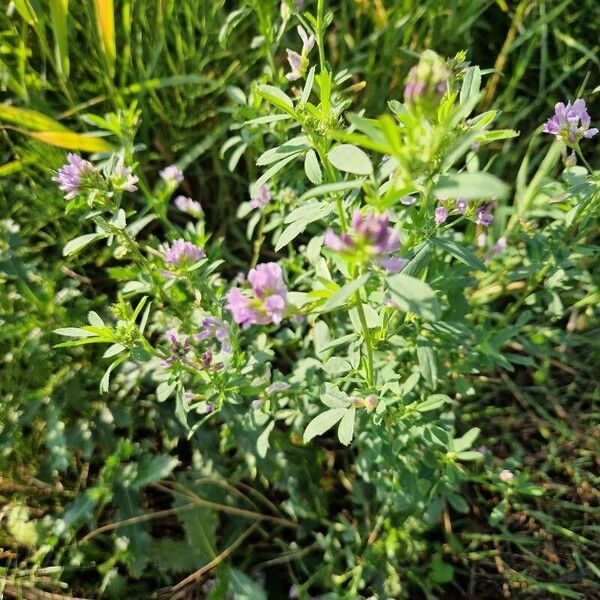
[[182, 254], [189, 206], [77, 176], [171, 175], [370, 238], [570, 123], [181, 349], [265, 302], [427, 81], [299, 62], [261, 197], [215, 328], [483, 213]]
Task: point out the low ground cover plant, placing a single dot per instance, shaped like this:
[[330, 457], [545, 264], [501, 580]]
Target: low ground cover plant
[[293, 402]]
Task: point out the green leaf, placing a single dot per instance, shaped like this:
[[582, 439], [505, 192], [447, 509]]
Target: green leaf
[[346, 426], [441, 572], [113, 350], [467, 440], [312, 168], [434, 402], [80, 242], [471, 186], [337, 365], [291, 147], [59, 10], [469, 455], [267, 175], [119, 220], [495, 135], [307, 212], [104, 382], [323, 422], [26, 11], [350, 159], [277, 98], [74, 332], [427, 362], [458, 503], [165, 389], [332, 188], [345, 292], [333, 397], [153, 468], [308, 85], [244, 588], [413, 295], [262, 443], [181, 407], [460, 252], [470, 85], [290, 233], [94, 319]]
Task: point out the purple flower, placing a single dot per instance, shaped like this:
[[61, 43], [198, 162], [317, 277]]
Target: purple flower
[[189, 206], [497, 248], [441, 214], [182, 253], [75, 176], [408, 200], [483, 217], [370, 236], [171, 174], [299, 62], [427, 81], [461, 205], [217, 329], [295, 61], [570, 123], [268, 302], [179, 349], [262, 197]]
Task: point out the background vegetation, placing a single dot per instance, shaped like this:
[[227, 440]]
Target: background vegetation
[[187, 67]]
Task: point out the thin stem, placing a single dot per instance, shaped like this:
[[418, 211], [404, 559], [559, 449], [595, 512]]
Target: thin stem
[[583, 160], [367, 336], [260, 238], [320, 32], [370, 370], [216, 561]]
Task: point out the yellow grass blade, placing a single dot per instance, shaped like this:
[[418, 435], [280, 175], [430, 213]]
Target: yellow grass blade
[[105, 19], [71, 141], [30, 119]]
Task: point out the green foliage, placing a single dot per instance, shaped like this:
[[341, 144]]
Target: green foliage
[[335, 453]]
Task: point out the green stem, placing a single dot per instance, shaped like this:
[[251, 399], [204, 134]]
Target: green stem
[[583, 160], [370, 369], [260, 238], [319, 32], [146, 265]]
